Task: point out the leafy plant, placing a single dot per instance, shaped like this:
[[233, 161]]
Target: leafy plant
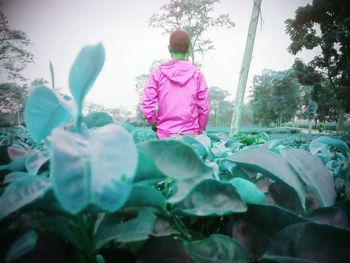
[[115, 194]]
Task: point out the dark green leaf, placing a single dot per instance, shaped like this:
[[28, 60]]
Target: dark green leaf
[[145, 197], [331, 142], [211, 198], [97, 119], [175, 159], [132, 230], [24, 244], [333, 216], [216, 249], [313, 173], [36, 160], [272, 165], [311, 241]]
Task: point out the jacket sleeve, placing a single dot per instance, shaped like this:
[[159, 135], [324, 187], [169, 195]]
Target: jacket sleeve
[[150, 100], [203, 104]]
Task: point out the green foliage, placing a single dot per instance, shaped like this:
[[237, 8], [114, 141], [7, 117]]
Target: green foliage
[[115, 193]]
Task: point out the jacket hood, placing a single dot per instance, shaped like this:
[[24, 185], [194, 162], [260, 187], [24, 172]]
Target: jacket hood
[[178, 71]]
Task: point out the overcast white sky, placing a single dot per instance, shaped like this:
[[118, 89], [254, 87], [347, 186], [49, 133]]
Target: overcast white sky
[[60, 28]]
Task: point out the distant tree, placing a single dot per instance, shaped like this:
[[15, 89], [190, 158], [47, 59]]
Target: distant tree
[[192, 16], [325, 24], [220, 107], [13, 97], [14, 53], [315, 87], [275, 96]]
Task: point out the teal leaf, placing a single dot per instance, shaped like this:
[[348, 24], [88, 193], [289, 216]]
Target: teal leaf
[[120, 230], [44, 111], [197, 146], [97, 119], [271, 165], [211, 198], [333, 216], [84, 71], [97, 170], [36, 160], [24, 244], [163, 228], [248, 191], [313, 173], [14, 176], [21, 192], [145, 197], [216, 249], [175, 159]]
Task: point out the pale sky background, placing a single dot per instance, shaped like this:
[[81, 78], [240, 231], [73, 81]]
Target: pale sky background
[[60, 28]]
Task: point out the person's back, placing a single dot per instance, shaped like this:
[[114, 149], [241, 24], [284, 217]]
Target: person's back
[[175, 96]]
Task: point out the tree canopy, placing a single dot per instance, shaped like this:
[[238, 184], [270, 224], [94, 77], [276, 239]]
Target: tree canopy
[[326, 25], [192, 16], [14, 53]]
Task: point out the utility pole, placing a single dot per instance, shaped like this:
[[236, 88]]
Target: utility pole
[[242, 83]]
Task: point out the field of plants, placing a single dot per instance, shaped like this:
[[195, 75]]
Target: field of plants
[[72, 192]]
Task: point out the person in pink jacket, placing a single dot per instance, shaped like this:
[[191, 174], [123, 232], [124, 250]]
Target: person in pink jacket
[[175, 96]]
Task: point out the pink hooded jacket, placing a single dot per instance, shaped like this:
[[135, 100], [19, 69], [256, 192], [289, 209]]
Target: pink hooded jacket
[[175, 98]]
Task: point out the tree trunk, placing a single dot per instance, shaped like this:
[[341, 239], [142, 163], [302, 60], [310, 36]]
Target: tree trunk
[[236, 116], [310, 126], [341, 119]]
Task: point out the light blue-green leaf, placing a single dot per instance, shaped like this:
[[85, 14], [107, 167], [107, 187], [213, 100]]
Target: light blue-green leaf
[[84, 71], [24, 244], [249, 192], [271, 165], [216, 249], [175, 159], [96, 170], [313, 173], [21, 192], [14, 176], [44, 111], [211, 198], [132, 230], [36, 160]]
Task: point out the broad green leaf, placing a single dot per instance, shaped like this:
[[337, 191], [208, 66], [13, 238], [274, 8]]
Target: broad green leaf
[[175, 159], [196, 145], [163, 228], [145, 197], [330, 142], [313, 173], [17, 165], [146, 169], [248, 191], [21, 192], [284, 196], [311, 241], [216, 249], [272, 165], [100, 259], [98, 169], [132, 230], [333, 216], [64, 229], [211, 198], [270, 216], [24, 244], [44, 111], [36, 160], [84, 71], [182, 187]]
